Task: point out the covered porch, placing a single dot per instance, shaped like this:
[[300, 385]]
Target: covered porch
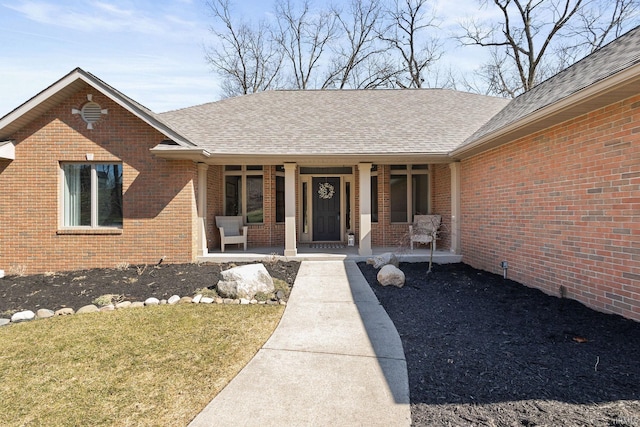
[[367, 208]]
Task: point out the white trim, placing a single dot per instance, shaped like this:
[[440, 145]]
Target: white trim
[[7, 150]]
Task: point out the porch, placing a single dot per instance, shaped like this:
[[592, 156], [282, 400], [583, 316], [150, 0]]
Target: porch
[[325, 252]]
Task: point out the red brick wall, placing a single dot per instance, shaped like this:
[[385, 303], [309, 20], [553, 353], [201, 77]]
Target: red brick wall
[[562, 206], [441, 202], [158, 194]]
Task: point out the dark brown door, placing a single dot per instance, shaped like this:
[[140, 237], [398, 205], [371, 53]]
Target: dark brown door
[[326, 209]]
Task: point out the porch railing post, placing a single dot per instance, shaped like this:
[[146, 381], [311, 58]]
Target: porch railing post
[[364, 180], [290, 247]]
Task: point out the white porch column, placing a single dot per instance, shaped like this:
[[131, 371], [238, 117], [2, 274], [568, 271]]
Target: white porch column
[[202, 209], [290, 247], [364, 181], [455, 208]]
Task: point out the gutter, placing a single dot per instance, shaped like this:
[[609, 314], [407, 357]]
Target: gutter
[[627, 77]]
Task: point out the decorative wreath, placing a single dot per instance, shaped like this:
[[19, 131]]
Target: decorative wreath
[[326, 191]]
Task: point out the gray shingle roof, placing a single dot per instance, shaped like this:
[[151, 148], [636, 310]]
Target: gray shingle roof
[[429, 121], [609, 60]]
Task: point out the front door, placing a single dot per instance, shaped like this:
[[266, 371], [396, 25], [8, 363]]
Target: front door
[[326, 209]]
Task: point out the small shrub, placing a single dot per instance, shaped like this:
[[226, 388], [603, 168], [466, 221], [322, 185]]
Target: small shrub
[[261, 296], [207, 292], [107, 299], [141, 269], [122, 266], [281, 285], [17, 270]]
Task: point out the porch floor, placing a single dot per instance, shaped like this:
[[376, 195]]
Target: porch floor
[[324, 252]]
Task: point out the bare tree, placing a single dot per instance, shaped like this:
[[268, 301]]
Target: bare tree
[[304, 37], [360, 60], [529, 30], [408, 34], [245, 56]]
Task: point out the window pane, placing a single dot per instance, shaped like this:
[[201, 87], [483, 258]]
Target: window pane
[[398, 198], [109, 195], [77, 195], [279, 198], [420, 184], [254, 199], [374, 198], [233, 191]]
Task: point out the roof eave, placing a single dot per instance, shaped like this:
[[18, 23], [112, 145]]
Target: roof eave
[[26, 112], [338, 159], [169, 152], [621, 85]]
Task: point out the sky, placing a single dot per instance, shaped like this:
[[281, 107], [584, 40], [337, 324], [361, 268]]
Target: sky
[[152, 51]]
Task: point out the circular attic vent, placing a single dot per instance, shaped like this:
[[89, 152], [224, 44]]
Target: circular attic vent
[[90, 112]]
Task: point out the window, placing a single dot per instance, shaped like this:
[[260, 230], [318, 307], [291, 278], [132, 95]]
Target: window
[[409, 187], [243, 186], [280, 194], [92, 195]]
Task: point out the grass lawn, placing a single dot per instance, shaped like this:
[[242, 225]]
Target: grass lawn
[[154, 366]]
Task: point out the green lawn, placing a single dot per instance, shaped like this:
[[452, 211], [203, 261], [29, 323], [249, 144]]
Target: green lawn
[[154, 366]]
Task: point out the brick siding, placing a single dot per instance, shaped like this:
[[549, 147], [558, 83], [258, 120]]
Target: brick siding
[[562, 206], [158, 195]]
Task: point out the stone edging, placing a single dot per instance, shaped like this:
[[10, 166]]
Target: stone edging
[[43, 313]]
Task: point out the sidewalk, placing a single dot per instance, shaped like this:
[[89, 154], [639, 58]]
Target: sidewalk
[[334, 359]]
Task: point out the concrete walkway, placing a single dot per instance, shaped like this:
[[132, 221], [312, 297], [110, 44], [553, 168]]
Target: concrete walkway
[[334, 359]]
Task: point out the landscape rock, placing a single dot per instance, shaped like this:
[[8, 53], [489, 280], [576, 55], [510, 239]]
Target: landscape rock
[[64, 311], [173, 299], [185, 300], [206, 300], [136, 304], [109, 307], [23, 316], [44, 313], [152, 301], [4, 322], [387, 258], [163, 301], [196, 299], [219, 300], [245, 281], [391, 275], [91, 308], [123, 304], [244, 301]]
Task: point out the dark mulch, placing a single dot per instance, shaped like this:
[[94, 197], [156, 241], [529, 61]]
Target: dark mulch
[[486, 351], [135, 283]]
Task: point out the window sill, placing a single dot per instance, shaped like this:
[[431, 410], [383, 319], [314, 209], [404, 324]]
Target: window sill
[[89, 231]]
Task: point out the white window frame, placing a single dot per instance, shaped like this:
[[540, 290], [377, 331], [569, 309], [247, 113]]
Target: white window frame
[[243, 172], [94, 197], [409, 172]]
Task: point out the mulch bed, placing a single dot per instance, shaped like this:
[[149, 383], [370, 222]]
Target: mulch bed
[[484, 351], [135, 283], [481, 350]]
